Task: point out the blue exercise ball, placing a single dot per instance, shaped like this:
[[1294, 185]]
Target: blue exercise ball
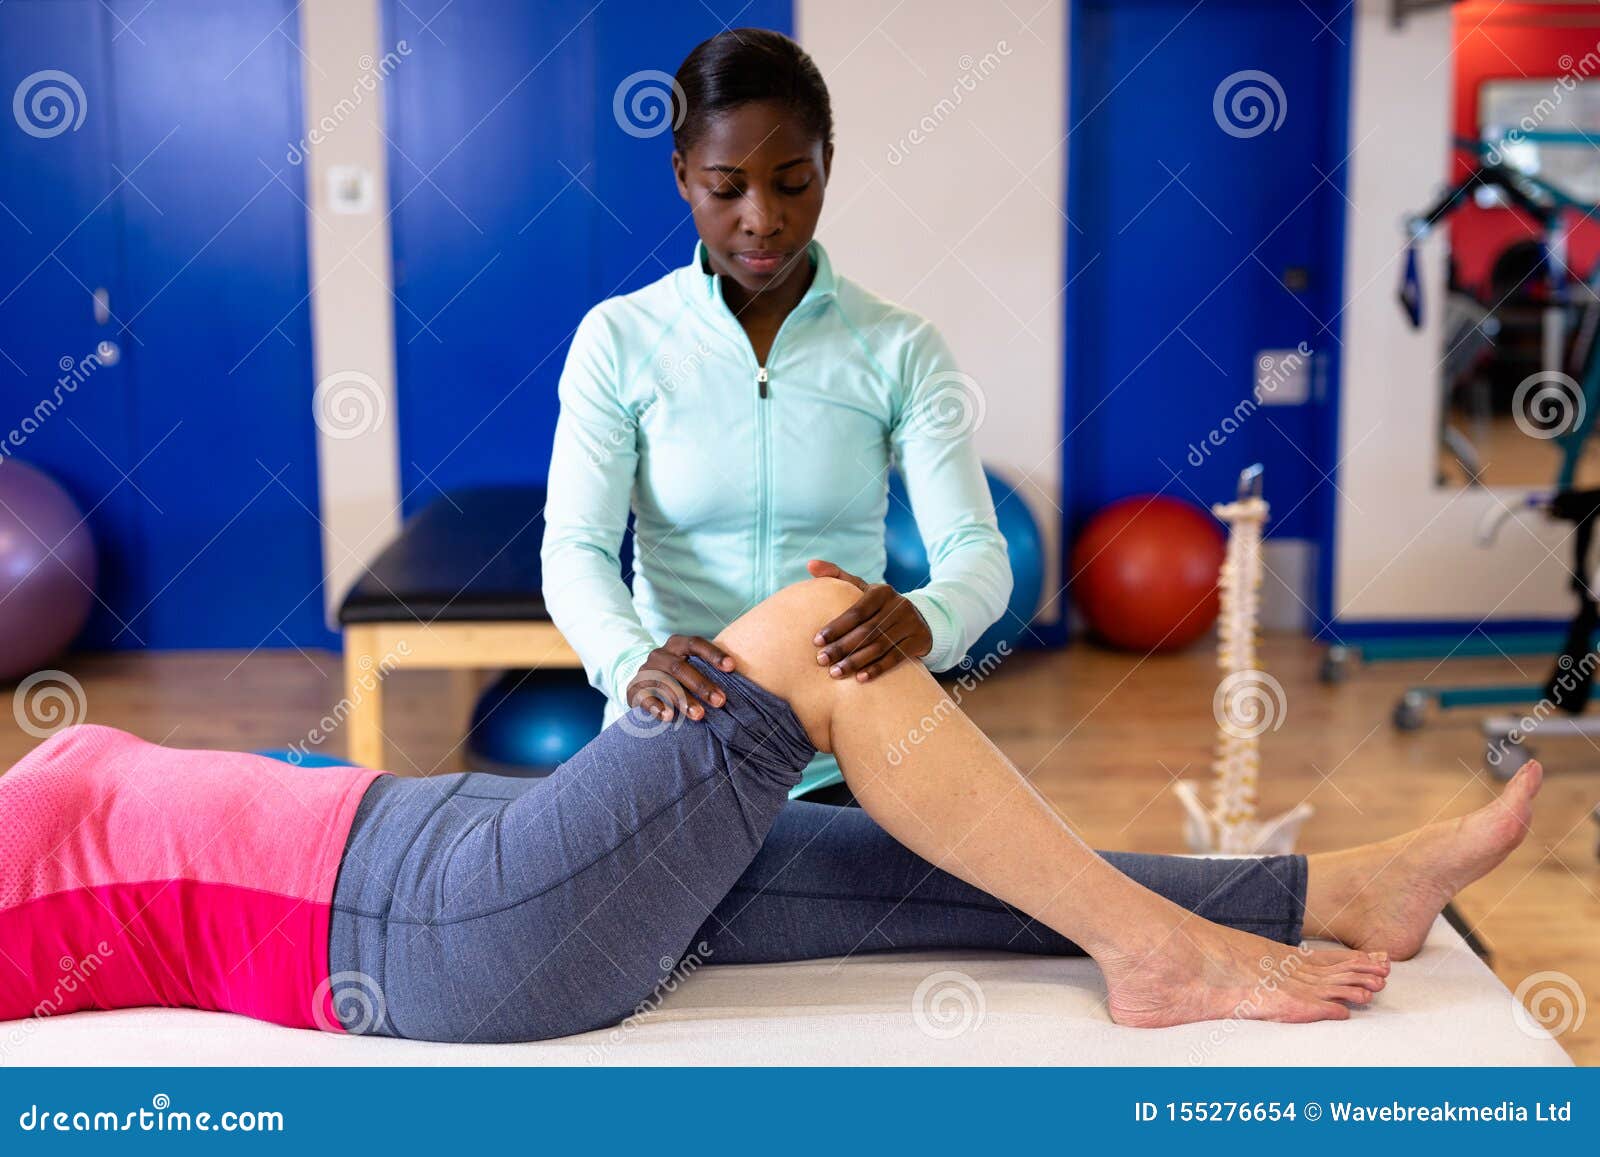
[[48, 569], [303, 758], [528, 722], [906, 567]]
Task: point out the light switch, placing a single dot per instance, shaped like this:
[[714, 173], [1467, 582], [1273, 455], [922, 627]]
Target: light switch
[[1283, 377], [349, 189]]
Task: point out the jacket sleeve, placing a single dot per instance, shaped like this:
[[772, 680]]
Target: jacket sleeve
[[970, 579], [592, 470]]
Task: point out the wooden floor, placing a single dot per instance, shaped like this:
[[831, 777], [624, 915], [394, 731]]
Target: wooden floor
[[1103, 735]]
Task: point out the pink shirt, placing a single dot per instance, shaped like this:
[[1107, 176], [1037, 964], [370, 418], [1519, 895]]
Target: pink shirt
[[136, 874]]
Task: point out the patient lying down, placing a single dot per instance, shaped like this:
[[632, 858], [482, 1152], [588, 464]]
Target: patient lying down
[[475, 908]]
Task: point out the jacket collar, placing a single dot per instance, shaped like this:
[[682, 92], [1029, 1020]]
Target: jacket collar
[[824, 283]]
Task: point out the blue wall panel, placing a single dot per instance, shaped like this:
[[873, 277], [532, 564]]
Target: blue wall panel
[[1184, 233], [218, 325], [519, 204], [194, 452], [58, 235]]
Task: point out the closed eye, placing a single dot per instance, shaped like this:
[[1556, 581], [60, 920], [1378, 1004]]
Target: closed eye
[[730, 194]]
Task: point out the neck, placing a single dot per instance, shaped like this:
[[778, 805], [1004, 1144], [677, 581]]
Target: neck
[[773, 302]]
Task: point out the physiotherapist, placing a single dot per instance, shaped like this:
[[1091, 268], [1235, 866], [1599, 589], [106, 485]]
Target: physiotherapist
[[747, 407]]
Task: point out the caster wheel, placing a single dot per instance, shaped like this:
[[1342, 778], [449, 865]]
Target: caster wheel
[[1336, 663], [1409, 712], [1504, 757]]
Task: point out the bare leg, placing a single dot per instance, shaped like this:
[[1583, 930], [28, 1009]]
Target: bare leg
[[931, 779]]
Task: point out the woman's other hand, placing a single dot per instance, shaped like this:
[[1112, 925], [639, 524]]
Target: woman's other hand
[[668, 683], [876, 634]]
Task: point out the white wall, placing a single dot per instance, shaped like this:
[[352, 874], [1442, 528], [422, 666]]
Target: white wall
[[1405, 548], [961, 216], [352, 309]]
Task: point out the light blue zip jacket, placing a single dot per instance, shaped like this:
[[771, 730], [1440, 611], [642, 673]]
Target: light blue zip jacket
[[737, 473]]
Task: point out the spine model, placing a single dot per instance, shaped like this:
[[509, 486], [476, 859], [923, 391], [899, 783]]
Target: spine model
[[1247, 703], [1241, 699]]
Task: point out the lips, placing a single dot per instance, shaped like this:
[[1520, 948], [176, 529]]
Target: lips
[[763, 260]]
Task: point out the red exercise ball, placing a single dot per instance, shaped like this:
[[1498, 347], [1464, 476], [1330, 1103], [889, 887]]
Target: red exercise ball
[[1144, 572]]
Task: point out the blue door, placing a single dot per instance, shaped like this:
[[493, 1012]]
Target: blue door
[[1205, 178], [158, 239], [65, 403]]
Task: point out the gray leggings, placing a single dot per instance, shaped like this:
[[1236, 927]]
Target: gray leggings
[[476, 907]]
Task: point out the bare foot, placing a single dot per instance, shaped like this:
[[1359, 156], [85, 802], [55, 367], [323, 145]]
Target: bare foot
[[1385, 896], [1207, 972]]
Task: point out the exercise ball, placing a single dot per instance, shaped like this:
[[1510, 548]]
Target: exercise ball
[[527, 722], [906, 564], [47, 569], [303, 758], [1144, 572]]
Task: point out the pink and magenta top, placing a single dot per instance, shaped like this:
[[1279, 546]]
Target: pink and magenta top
[[137, 874]]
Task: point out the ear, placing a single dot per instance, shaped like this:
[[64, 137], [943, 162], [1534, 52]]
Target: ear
[[680, 174], [827, 162]]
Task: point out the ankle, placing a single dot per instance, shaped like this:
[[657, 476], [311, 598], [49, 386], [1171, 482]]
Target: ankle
[[1330, 894]]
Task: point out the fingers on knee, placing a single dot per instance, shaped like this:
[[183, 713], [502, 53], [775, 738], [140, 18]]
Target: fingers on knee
[[826, 598]]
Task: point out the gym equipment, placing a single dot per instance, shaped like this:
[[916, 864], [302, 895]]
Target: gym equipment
[[1532, 270], [1144, 573], [48, 568], [529, 721], [457, 590], [1572, 396], [1247, 703], [906, 565], [303, 759]]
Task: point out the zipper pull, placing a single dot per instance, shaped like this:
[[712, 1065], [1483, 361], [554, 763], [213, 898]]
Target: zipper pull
[[761, 380]]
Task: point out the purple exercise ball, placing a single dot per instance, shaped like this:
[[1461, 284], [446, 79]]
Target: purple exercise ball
[[47, 569]]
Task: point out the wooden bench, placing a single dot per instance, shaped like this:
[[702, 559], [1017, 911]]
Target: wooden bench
[[458, 590]]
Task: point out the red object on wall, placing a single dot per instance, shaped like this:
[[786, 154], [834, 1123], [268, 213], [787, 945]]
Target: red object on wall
[[1507, 41], [1144, 572]]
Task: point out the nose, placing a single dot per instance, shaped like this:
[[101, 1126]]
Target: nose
[[762, 215]]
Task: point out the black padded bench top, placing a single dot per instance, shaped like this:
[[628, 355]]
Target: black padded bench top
[[469, 556]]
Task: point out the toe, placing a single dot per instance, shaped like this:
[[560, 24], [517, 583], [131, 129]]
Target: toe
[[1328, 1010], [1346, 992], [1358, 979]]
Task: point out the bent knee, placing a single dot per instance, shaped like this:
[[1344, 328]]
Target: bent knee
[[773, 644]]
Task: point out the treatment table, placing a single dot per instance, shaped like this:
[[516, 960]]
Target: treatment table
[[1443, 1007]]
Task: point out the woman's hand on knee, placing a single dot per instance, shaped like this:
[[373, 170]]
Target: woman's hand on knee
[[668, 683], [881, 630]]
